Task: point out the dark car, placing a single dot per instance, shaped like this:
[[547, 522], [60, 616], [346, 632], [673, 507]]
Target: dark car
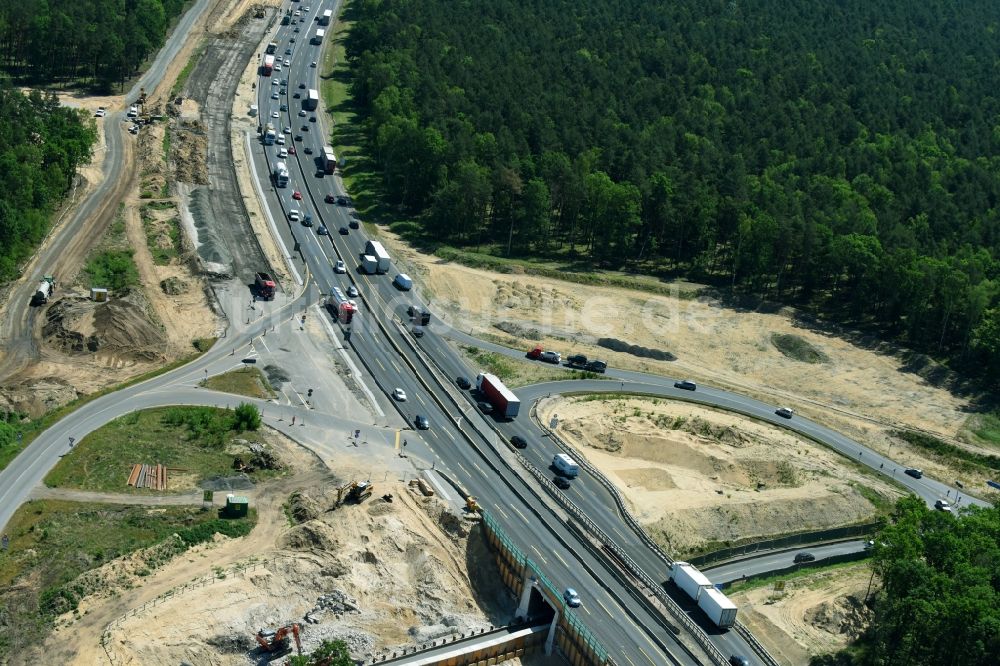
[[341, 200], [915, 473], [353, 224], [329, 198], [344, 231], [560, 482], [519, 442], [577, 359], [312, 119], [302, 86], [597, 366], [309, 151], [804, 557], [485, 407], [686, 384], [422, 422], [298, 137], [463, 383], [305, 128], [737, 660], [297, 95], [322, 231]]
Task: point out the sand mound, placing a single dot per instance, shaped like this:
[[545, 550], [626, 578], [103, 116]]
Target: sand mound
[[75, 325], [35, 397]]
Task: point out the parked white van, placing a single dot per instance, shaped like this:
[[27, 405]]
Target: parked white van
[[403, 281], [565, 465]]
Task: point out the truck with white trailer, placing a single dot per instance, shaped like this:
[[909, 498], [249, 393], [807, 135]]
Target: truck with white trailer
[[375, 249], [280, 175], [689, 579], [44, 290], [311, 100], [717, 606], [369, 264], [565, 466], [343, 307]]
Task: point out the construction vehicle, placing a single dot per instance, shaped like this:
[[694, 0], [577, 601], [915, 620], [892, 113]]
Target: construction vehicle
[[355, 492], [276, 641], [44, 290]]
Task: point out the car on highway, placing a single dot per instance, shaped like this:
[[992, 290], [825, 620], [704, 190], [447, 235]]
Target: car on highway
[[284, 91], [284, 82], [322, 231], [291, 40], [738, 660], [302, 113], [914, 472], [399, 394], [484, 407], [284, 107], [282, 153], [288, 51], [297, 95], [312, 64], [294, 215], [519, 442], [685, 384], [296, 29], [274, 95], [571, 598], [422, 422], [307, 220], [352, 292], [275, 82], [286, 130], [784, 412], [302, 86], [100, 113], [353, 224], [275, 114], [463, 383], [305, 128], [280, 140], [312, 119], [288, 63], [341, 200], [403, 282], [560, 482], [550, 357], [942, 505], [344, 231], [339, 267], [804, 557], [298, 137], [330, 198], [297, 195], [291, 150], [277, 66], [309, 150]]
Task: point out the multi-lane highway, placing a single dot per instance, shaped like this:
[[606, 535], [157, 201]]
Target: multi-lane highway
[[471, 448]]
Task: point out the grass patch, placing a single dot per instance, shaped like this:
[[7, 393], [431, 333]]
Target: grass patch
[[195, 439], [204, 344], [186, 72], [163, 238], [166, 144], [987, 428], [963, 459], [882, 504], [53, 542], [797, 349], [245, 381], [767, 581], [113, 269]]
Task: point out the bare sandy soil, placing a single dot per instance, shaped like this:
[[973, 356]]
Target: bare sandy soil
[[860, 392], [695, 476], [823, 611], [397, 573]]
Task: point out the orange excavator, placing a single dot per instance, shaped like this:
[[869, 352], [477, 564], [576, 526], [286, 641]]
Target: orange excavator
[[275, 641]]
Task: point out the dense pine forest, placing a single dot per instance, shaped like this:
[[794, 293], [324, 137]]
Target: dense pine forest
[[839, 155], [90, 42], [41, 146]]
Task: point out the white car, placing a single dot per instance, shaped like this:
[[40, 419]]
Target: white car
[[571, 598], [275, 82], [100, 113], [942, 505], [302, 113], [274, 95], [294, 215], [399, 394], [339, 267], [275, 114], [287, 62], [282, 153], [286, 130], [313, 64], [277, 66], [280, 140]]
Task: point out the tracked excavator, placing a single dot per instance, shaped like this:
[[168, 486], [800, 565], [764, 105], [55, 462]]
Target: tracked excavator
[[277, 640]]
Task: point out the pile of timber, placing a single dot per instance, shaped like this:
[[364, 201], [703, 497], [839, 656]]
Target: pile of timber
[[148, 476]]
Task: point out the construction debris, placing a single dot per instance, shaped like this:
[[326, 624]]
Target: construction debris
[[148, 476], [337, 602], [260, 458]]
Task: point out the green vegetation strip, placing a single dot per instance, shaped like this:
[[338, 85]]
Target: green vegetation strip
[[798, 349], [194, 439], [245, 381], [956, 454], [53, 542], [186, 72]]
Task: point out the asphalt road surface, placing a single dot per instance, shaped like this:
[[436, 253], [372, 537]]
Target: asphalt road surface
[[763, 563]]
